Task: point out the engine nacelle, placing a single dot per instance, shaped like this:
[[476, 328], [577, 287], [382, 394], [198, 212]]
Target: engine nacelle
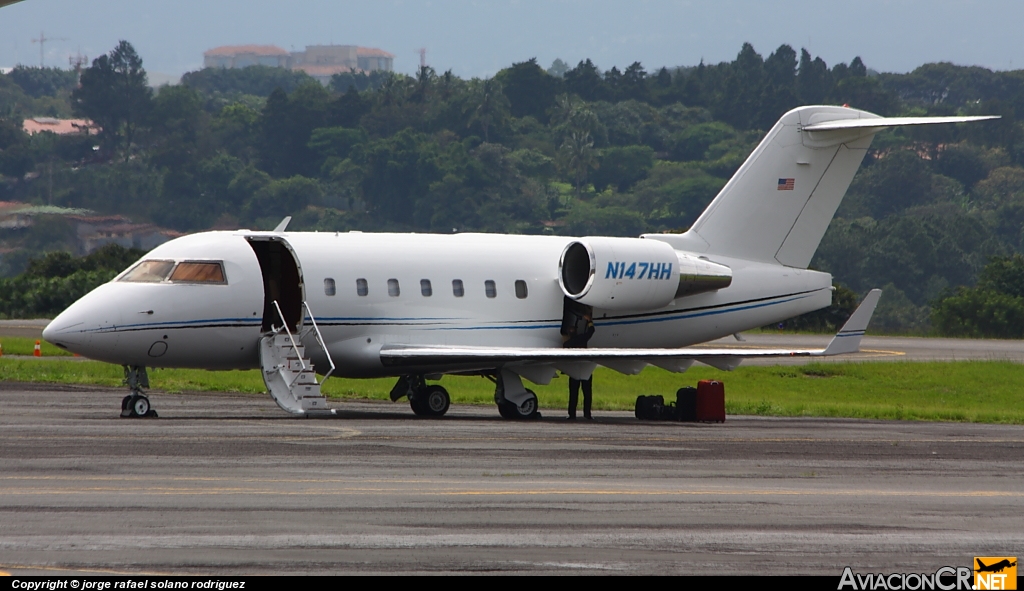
[[634, 274]]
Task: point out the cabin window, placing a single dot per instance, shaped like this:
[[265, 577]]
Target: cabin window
[[196, 272], [330, 288], [458, 289], [425, 288], [490, 289], [362, 288], [521, 291], [393, 289], [149, 272]]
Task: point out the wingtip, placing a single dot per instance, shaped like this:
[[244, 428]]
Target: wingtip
[[847, 340]]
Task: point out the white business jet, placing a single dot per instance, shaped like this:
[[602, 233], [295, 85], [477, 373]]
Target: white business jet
[[418, 306]]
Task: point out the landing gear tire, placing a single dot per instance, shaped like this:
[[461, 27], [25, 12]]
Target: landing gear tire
[[140, 406], [526, 411], [416, 403], [137, 406], [436, 401]]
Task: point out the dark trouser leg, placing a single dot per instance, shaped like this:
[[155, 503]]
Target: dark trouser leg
[[574, 396], [588, 395]]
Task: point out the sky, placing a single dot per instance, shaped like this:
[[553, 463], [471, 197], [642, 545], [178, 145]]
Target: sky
[[476, 38]]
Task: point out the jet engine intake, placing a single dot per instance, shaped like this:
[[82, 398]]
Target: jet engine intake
[[634, 274]]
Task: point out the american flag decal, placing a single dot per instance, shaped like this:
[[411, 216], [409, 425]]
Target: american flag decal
[[787, 184]]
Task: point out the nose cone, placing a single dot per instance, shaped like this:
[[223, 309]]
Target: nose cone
[[88, 326]]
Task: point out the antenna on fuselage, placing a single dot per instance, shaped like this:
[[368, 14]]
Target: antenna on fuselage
[[284, 224]]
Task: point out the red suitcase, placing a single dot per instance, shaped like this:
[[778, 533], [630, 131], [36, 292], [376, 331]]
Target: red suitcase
[[710, 401]]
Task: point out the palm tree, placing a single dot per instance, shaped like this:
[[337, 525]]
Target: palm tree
[[492, 106]]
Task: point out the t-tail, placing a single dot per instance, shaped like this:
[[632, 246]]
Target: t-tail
[[777, 206]]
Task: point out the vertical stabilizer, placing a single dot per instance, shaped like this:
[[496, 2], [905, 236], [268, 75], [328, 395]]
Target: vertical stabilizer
[[778, 205]]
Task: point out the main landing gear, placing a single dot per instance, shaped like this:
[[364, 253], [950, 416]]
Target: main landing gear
[[426, 401], [136, 405], [514, 401]]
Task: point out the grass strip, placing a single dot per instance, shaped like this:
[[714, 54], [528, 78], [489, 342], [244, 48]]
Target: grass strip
[[25, 345], [970, 391]]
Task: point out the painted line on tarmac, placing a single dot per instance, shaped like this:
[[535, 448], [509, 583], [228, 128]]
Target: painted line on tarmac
[[99, 571], [883, 353], [221, 491]]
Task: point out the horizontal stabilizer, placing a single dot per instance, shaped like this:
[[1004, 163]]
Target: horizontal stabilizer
[[880, 122], [778, 205]]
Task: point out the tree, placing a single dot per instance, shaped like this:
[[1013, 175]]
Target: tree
[[252, 80], [558, 68], [287, 123], [693, 142], [398, 172], [530, 90], [283, 197], [623, 167], [39, 82], [114, 93], [980, 313], [361, 81], [489, 107], [814, 81], [176, 118], [576, 125], [585, 81], [743, 96], [634, 83]]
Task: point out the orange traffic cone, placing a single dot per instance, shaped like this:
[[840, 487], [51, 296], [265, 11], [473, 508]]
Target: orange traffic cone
[[37, 352]]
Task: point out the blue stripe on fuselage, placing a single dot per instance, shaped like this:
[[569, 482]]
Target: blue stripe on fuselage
[[414, 322]]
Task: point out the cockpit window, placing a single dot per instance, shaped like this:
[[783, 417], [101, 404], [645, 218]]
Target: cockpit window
[[193, 272], [149, 272], [184, 272]]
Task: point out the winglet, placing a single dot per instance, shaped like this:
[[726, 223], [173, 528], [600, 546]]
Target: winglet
[[847, 340], [284, 224]]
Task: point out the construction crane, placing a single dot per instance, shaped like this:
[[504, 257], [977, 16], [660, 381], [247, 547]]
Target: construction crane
[[42, 43]]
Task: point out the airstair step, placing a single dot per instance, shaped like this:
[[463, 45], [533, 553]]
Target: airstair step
[[287, 372]]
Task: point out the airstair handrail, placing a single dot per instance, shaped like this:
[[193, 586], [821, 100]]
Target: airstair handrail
[[320, 339], [284, 325]]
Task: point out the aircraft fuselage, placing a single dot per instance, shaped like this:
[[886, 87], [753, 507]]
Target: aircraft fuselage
[[368, 290]]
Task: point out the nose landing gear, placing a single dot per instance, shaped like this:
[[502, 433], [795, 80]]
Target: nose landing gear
[[136, 404]]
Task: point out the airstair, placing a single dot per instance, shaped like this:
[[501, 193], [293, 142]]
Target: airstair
[[288, 372]]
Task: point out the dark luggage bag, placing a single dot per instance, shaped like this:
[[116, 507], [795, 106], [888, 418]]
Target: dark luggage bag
[[686, 404], [649, 408]]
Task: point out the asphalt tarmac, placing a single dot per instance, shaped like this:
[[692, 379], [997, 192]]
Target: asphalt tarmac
[[229, 484], [875, 348]]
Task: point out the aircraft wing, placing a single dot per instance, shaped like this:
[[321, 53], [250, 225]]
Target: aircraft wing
[[541, 362]]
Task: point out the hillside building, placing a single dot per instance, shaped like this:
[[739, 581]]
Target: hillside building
[[319, 61], [241, 56]]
